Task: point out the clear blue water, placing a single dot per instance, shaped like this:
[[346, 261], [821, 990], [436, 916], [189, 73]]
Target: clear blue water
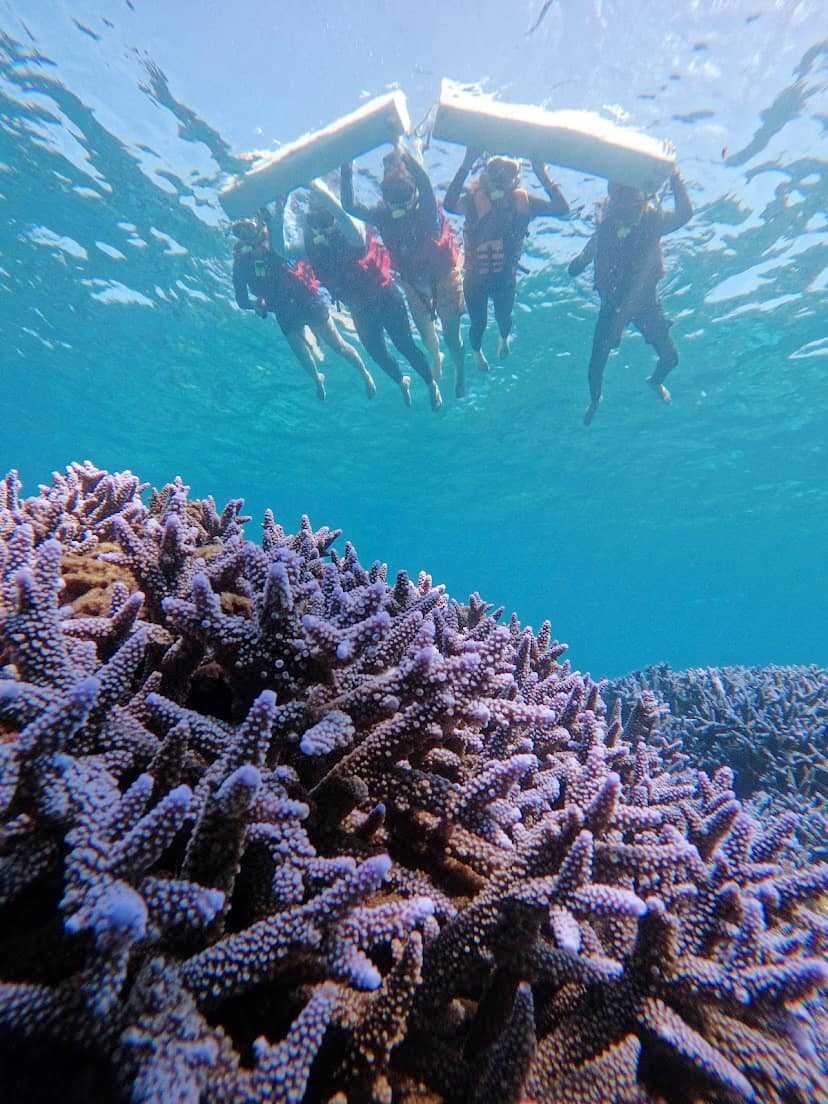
[[694, 534]]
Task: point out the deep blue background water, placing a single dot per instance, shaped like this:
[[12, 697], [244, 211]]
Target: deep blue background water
[[695, 534]]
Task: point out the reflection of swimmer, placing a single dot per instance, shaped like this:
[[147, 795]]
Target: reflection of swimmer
[[359, 275], [626, 251], [497, 215], [423, 250], [291, 292]]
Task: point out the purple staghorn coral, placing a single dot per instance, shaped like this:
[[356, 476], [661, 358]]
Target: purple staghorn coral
[[769, 723], [276, 829]]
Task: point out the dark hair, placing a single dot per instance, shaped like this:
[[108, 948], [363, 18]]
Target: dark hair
[[623, 193], [398, 188], [245, 230], [319, 216], [503, 169]]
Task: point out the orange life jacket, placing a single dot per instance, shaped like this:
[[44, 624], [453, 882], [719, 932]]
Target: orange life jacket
[[494, 241], [483, 204]]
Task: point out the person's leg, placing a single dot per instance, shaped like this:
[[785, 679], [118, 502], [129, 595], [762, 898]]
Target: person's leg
[[477, 304], [606, 337], [654, 327], [327, 333], [424, 321], [369, 329], [313, 345], [395, 321], [303, 354], [503, 300], [449, 297]]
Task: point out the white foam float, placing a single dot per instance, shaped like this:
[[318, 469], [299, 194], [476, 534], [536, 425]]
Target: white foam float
[[380, 120], [578, 140]]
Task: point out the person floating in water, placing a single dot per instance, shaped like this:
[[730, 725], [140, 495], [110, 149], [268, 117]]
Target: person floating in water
[[497, 215], [291, 293], [357, 272], [423, 250], [626, 252]]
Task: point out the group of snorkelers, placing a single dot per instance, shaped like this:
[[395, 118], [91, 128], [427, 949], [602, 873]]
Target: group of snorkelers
[[407, 264]]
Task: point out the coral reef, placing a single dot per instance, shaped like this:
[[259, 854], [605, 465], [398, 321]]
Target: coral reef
[[770, 724], [277, 829]]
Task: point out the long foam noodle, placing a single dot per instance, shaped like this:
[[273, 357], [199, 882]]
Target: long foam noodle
[[380, 120], [578, 140]]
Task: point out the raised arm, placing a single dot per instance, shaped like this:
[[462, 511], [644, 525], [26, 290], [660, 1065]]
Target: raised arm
[[452, 200], [325, 196], [289, 236], [428, 201], [682, 207], [584, 259], [555, 203], [349, 203], [276, 227]]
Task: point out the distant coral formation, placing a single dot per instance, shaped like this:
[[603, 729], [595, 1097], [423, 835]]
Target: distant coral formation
[[274, 829], [770, 724]]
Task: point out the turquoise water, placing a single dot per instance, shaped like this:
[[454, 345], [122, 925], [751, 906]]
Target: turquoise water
[[692, 534]]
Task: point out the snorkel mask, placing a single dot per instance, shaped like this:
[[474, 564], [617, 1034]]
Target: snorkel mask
[[502, 175], [398, 212], [627, 203], [400, 195], [247, 231], [320, 226]]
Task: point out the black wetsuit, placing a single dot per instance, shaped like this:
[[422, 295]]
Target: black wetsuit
[[628, 266], [354, 275], [493, 235], [284, 289]]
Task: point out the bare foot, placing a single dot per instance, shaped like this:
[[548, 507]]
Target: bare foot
[[660, 390], [436, 397], [482, 363], [405, 387], [320, 386], [504, 347], [590, 412], [370, 386], [460, 386]]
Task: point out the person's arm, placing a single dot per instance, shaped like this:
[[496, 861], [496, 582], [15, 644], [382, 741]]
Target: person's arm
[[288, 236], [452, 201], [428, 202], [682, 207], [348, 199], [240, 286], [584, 259], [276, 226], [555, 204], [349, 228]]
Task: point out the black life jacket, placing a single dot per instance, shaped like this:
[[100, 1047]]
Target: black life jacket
[[628, 259], [255, 265]]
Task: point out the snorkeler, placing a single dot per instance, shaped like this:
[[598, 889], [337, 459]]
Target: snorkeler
[[291, 292], [497, 215], [423, 250], [358, 273], [626, 251]]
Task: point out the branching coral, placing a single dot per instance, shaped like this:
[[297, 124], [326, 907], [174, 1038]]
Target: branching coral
[[769, 723], [276, 829]]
